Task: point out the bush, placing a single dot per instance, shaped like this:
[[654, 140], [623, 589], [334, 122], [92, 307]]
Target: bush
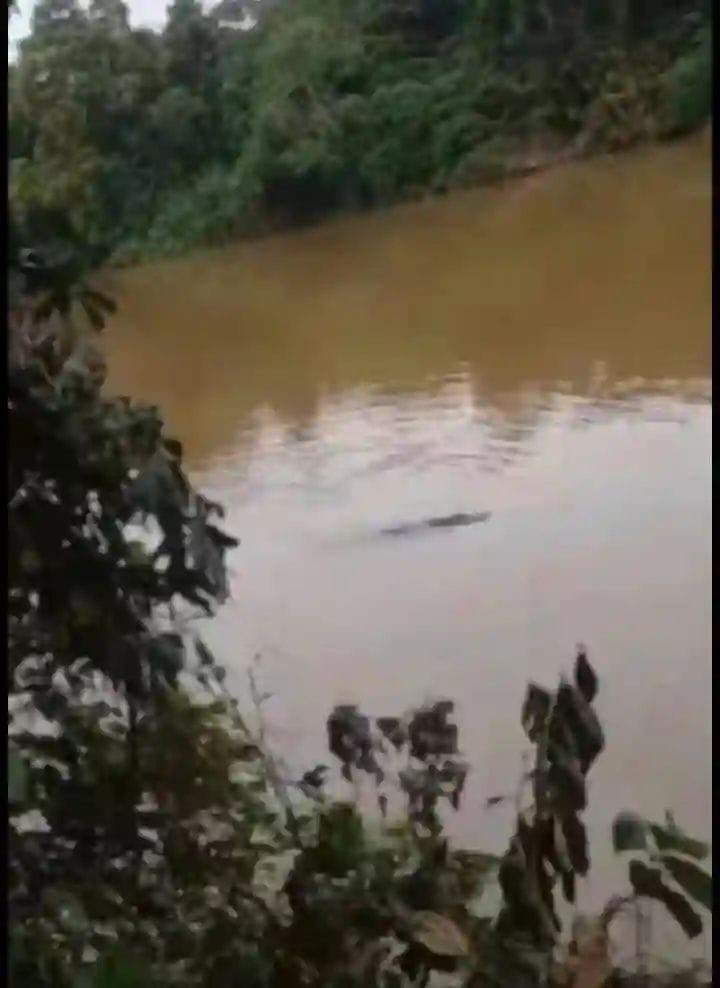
[[687, 87], [211, 209]]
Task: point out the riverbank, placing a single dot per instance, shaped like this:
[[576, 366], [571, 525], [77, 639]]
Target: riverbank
[[655, 94], [330, 108], [497, 168]]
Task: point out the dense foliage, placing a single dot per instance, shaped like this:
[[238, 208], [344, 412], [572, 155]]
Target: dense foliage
[[155, 142]]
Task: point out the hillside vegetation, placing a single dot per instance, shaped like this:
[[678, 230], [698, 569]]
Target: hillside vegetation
[[154, 143]]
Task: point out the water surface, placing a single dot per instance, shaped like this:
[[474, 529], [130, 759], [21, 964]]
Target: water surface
[[541, 352]]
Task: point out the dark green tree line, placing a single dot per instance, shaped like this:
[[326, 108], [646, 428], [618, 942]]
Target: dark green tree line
[[156, 142]]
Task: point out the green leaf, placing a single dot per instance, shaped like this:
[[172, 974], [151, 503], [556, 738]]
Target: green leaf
[[671, 838], [167, 652], [17, 777], [566, 780], [585, 678], [693, 880], [341, 840], [629, 832], [648, 882], [573, 830], [579, 717]]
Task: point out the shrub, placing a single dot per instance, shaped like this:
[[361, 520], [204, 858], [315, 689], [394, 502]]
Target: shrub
[[687, 87]]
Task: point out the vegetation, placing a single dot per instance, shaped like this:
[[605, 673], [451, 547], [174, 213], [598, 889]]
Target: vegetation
[[153, 840], [153, 143]]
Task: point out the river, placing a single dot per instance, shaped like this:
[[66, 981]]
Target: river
[[539, 351]]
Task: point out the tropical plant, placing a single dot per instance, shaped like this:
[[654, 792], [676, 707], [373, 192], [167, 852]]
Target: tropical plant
[[94, 647], [666, 870]]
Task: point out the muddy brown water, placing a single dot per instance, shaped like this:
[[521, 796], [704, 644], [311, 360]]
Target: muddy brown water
[[540, 352]]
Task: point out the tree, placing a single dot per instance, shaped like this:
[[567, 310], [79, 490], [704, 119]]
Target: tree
[[158, 142], [190, 44], [91, 610], [57, 19], [112, 15]]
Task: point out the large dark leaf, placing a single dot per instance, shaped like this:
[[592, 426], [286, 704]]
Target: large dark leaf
[[166, 653], [583, 722], [567, 782], [568, 885], [671, 838], [348, 734], [648, 882], [431, 733], [585, 678], [340, 840], [693, 880], [576, 840], [393, 729]]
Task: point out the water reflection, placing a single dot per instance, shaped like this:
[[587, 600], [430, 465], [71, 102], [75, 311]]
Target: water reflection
[[513, 290], [365, 433]]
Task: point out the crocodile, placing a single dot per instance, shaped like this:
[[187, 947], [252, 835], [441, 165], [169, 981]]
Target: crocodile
[[443, 521]]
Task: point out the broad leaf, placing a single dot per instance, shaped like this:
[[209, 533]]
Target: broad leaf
[[576, 841], [648, 882], [393, 729], [693, 880], [567, 781], [572, 707], [671, 838], [585, 677]]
